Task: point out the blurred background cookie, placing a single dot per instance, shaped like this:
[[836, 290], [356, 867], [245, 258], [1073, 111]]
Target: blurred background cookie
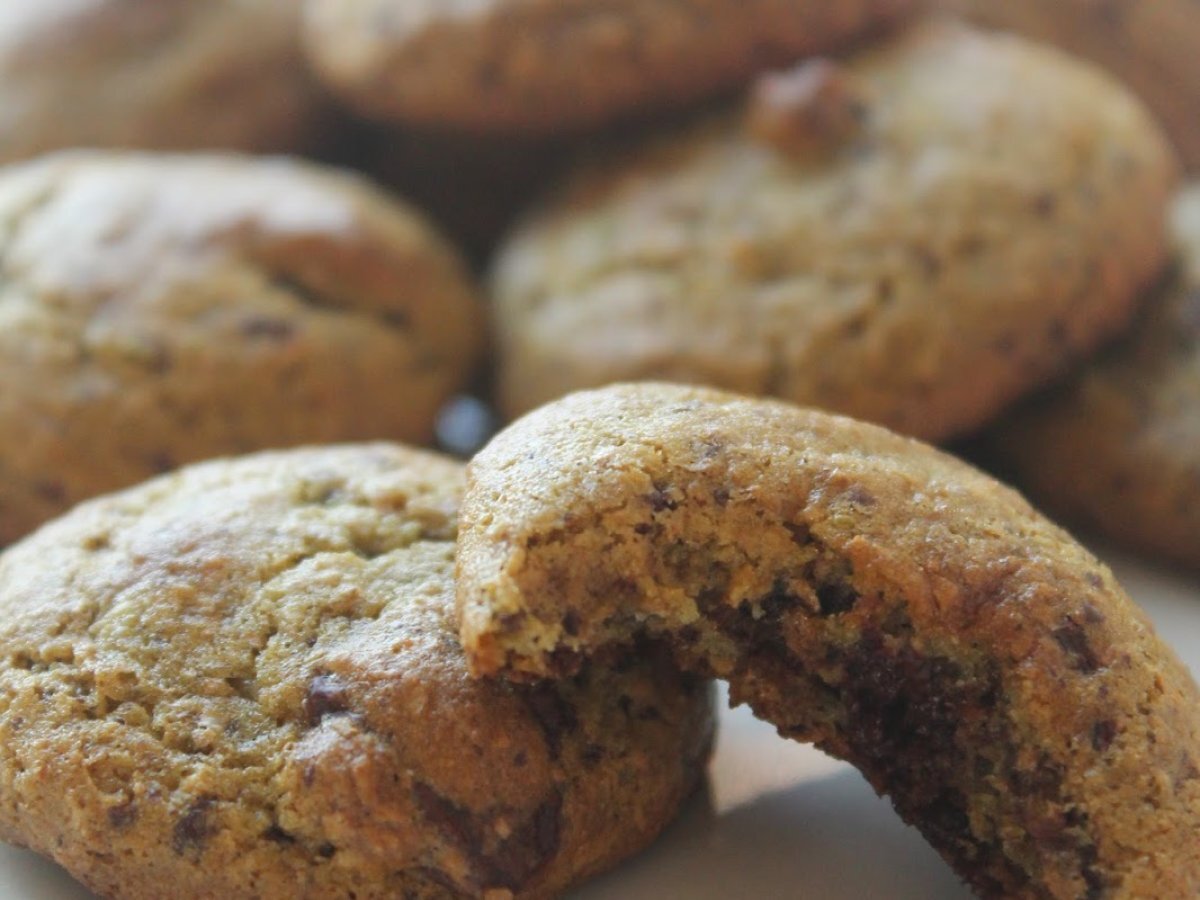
[[915, 236], [155, 74], [245, 681], [161, 309], [1117, 449], [558, 65], [1153, 46]]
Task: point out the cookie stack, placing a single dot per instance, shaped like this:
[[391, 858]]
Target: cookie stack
[[252, 646]]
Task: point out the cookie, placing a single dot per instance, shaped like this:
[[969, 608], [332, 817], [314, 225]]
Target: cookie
[[162, 309], [861, 591], [1150, 46], [915, 236], [243, 680], [1117, 449], [541, 66], [154, 74]]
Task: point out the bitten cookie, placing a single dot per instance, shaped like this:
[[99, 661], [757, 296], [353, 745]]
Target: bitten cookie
[[1150, 46], [154, 74], [1117, 449], [159, 310], [243, 681], [862, 591], [557, 65], [916, 236]]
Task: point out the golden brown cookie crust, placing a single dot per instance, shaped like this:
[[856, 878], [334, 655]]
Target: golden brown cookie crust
[[1150, 46], [162, 309], [560, 65], [862, 591], [976, 213], [1117, 449], [243, 681], [154, 74]]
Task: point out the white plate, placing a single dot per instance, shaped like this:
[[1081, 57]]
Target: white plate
[[777, 820]]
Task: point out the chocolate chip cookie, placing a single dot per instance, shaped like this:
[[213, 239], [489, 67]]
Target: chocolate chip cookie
[[156, 310], [155, 74], [243, 680], [1151, 46], [862, 591], [915, 236], [1117, 449], [557, 65]]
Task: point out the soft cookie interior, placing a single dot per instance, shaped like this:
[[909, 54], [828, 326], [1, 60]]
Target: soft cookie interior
[[861, 591]]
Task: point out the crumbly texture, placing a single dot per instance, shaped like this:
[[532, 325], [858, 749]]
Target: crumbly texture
[[543, 66], [864, 592], [915, 236], [1150, 46], [243, 681], [154, 74], [156, 310], [1117, 449]]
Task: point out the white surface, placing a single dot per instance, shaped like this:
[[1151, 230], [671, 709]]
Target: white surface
[[777, 820]]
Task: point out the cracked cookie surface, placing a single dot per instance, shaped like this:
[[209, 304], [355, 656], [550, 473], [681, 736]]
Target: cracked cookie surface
[[560, 65], [243, 680], [860, 591], [1117, 448], [158, 309], [154, 74], [915, 236]]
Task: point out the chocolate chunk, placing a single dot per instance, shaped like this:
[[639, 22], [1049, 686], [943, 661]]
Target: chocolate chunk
[[1044, 780], [454, 822], [266, 328], [193, 830], [326, 696], [531, 846], [801, 536], [860, 496], [563, 662], [570, 622], [506, 863], [1095, 881], [1072, 638], [659, 500], [277, 835], [836, 598], [1103, 734], [121, 817], [553, 714]]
